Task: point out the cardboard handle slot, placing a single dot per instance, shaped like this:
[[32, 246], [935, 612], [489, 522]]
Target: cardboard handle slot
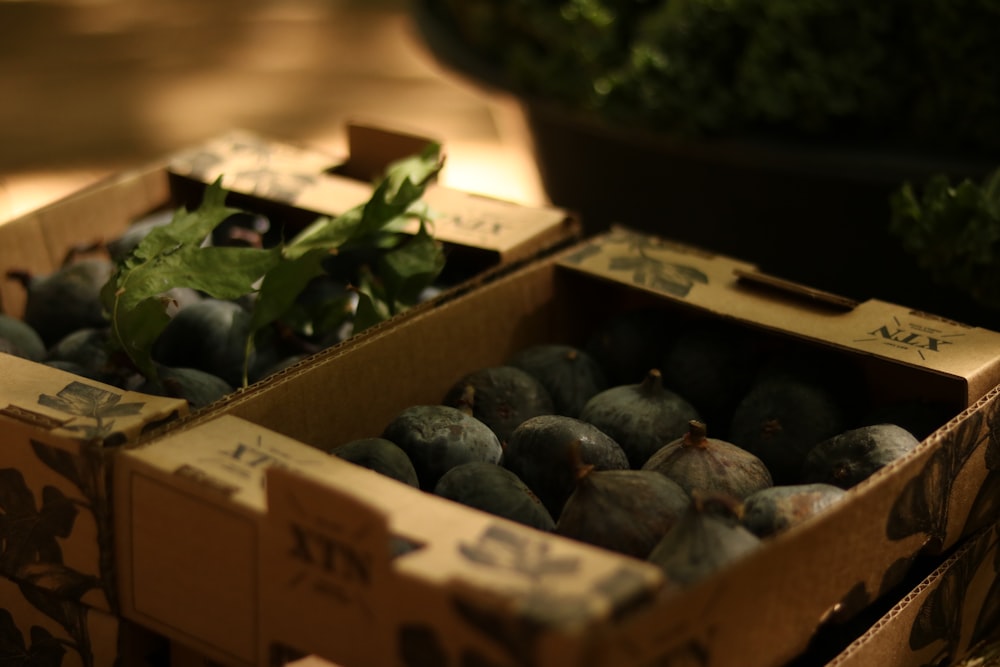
[[774, 286]]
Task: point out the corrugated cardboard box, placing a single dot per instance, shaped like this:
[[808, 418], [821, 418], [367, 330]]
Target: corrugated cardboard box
[[474, 587], [946, 619], [60, 433]]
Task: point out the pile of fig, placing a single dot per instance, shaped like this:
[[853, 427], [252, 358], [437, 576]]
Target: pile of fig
[[683, 442], [201, 354]]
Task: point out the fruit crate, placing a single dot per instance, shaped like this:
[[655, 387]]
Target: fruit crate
[[61, 432], [344, 552]]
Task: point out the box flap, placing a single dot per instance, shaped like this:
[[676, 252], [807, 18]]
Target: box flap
[[303, 178], [76, 408], [456, 565], [728, 287]]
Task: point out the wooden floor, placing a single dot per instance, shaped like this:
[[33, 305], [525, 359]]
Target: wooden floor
[[88, 87]]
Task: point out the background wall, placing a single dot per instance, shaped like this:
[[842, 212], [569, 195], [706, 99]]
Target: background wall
[[91, 86]]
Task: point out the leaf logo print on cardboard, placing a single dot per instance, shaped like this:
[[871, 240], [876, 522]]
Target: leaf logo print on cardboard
[[648, 271], [84, 471], [69, 614], [29, 534], [922, 507], [91, 403], [939, 619], [44, 650], [505, 549], [989, 615], [986, 506]]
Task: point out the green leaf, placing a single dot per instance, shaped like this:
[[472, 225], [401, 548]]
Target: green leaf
[[173, 255], [411, 267]]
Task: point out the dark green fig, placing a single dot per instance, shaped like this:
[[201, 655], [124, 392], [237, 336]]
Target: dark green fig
[[76, 369], [211, 335], [569, 374], [781, 418], [437, 438], [67, 299], [22, 338], [629, 343], [921, 417], [641, 417], [711, 363], [776, 509], [91, 348], [706, 538], [626, 511], [710, 465], [199, 388], [501, 397], [381, 455], [541, 453], [854, 455], [494, 489]]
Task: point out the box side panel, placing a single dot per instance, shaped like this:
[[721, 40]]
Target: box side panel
[[953, 610], [188, 513], [55, 468], [438, 580], [41, 628]]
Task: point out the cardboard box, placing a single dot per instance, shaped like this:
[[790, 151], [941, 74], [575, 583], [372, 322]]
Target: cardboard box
[[39, 627], [478, 587], [60, 433], [949, 618]]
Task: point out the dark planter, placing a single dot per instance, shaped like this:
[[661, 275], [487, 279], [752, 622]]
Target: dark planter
[[814, 214]]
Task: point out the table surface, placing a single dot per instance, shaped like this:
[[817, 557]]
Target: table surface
[[93, 86]]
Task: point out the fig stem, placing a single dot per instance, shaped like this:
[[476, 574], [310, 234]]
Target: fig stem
[[697, 434], [652, 383], [580, 469]]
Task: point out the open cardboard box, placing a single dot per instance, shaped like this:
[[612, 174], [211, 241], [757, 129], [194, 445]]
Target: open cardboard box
[[60, 433], [472, 586]]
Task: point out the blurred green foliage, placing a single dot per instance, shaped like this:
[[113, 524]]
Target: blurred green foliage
[[953, 231], [915, 75]]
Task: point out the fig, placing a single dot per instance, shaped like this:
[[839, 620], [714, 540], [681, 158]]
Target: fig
[[494, 489], [89, 347], [21, 338], [437, 438], [776, 509], [706, 538], [75, 369], [380, 455], [541, 453], [629, 343], [65, 300], [642, 417], [710, 465], [712, 364], [854, 455], [569, 374], [211, 335], [501, 397], [199, 388], [781, 418], [626, 511], [919, 416]]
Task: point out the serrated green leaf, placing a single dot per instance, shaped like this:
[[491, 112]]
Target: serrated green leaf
[[282, 285], [409, 268], [171, 256], [368, 312]]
